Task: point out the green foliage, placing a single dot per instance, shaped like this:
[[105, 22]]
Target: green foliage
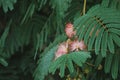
[[2, 43], [47, 58], [3, 62], [67, 61], [60, 7], [41, 3], [108, 63], [115, 66], [28, 13], [98, 60], [8, 4], [20, 67], [44, 63], [96, 25]]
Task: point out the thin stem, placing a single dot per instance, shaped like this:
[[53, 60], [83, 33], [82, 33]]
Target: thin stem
[[90, 64], [84, 7]]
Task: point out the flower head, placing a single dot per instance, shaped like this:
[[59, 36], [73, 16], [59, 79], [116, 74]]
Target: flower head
[[82, 45], [62, 49], [69, 30], [77, 45], [74, 45]]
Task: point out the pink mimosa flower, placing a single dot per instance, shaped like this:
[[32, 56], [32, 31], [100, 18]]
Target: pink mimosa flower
[[76, 45], [69, 30], [62, 49], [82, 45]]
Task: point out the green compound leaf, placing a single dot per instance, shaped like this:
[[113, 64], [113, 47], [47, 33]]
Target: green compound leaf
[[66, 61]]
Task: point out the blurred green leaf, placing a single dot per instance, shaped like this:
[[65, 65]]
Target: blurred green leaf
[[78, 58]]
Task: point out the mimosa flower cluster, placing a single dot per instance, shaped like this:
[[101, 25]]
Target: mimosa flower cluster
[[72, 44]]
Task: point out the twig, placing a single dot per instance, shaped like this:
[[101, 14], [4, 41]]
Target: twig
[[84, 7]]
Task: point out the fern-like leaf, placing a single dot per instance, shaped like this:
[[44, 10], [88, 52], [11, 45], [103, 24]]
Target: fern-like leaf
[[43, 64], [7, 4], [96, 27], [115, 66], [67, 60], [2, 44], [108, 63], [47, 57]]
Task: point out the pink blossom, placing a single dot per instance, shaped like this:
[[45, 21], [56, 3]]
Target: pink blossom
[[69, 30], [62, 49], [82, 45], [76, 45]]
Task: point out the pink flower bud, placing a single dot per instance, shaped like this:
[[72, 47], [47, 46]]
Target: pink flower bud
[[69, 30]]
